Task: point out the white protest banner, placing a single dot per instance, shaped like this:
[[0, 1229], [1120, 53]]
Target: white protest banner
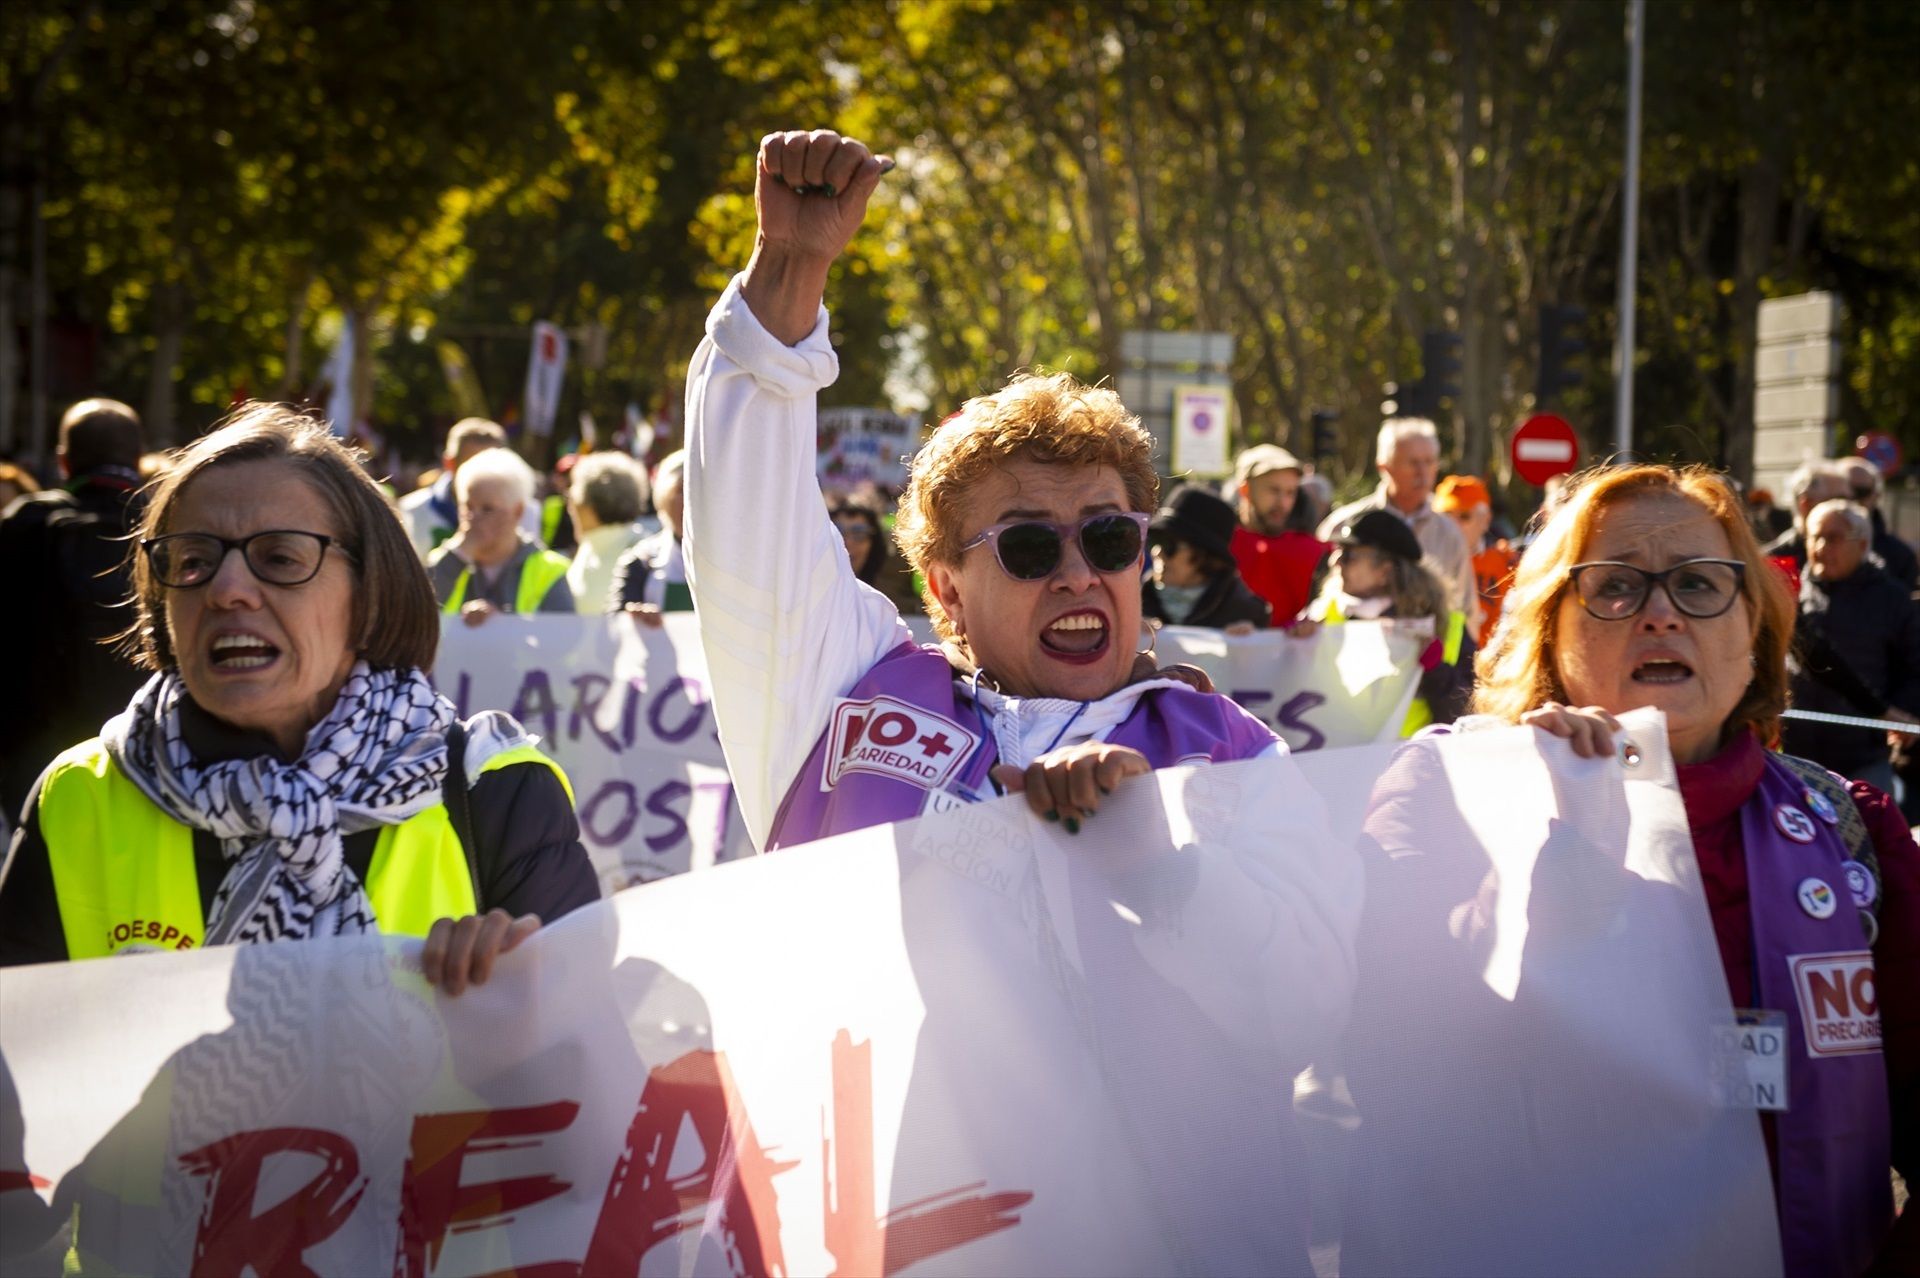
[[1202, 416], [967, 1044], [623, 709], [546, 373], [865, 446], [1340, 686]]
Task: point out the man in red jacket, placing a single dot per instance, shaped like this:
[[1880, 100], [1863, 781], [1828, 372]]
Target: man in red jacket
[[1275, 548]]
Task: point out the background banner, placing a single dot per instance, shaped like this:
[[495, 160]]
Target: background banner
[[1342, 685], [967, 1044], [624, 710]]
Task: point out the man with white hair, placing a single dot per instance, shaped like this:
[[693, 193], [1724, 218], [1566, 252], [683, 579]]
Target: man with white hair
[[1864, 485], [1814, 482], [650, 580], [431, 513], [1407, 455], [1857, 647], [490, 564], [606, 494]]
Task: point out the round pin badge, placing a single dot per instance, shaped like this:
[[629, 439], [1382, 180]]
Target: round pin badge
[[1822, 807], [1861, 884], [1817, 899], [1794, 823]]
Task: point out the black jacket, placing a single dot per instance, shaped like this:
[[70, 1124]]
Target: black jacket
[[1225, 601], [1902, 564], [1788, 545], [528, 854], [1856, 651], [66, 554]]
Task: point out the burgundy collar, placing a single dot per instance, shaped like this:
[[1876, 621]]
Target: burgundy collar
[[1714, 789]]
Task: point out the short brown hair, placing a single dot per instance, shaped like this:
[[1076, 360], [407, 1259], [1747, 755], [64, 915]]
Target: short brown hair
[[1517, 668], [1051, 418], [396, 624]]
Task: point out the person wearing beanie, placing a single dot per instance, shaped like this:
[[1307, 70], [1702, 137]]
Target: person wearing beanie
[[1465, 498], [1274, 544], [1195, 581], [1377, 575]]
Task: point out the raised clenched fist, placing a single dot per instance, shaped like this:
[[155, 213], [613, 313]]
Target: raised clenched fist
[[811, 191]]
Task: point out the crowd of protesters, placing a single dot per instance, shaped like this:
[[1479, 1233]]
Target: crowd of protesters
[[271, 727]]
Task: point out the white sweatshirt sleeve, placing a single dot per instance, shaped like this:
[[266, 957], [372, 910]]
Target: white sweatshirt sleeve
[[785, 625]]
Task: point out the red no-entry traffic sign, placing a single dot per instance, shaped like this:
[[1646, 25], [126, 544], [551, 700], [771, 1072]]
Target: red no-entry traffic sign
[[1543, 447], [1880, 448]]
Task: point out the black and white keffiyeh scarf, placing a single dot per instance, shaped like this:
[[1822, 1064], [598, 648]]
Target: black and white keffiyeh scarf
[[377, 758]]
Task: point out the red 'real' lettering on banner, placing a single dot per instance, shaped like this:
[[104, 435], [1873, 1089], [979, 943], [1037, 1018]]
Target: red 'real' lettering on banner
[[433, 1200], [646, 1206], [861, 1243], [232, 1240]]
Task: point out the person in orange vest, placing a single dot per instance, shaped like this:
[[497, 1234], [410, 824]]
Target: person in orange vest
[[1466, 499]]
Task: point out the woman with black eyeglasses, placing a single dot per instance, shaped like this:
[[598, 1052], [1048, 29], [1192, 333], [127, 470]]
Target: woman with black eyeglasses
[[1026, 514], [289, 770], [1647, 588]]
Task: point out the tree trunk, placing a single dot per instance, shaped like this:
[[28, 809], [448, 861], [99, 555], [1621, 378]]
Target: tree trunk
[[169, 338], [362, 371], [1759, 214], [1472, 409], [296, 344]]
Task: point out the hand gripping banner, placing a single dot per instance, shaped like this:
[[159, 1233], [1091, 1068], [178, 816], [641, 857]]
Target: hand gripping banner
[[966, 1044]]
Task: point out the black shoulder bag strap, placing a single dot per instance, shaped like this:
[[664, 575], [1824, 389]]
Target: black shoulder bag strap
[[460, 803]]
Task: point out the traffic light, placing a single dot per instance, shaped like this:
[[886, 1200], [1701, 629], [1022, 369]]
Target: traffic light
[[1326, 443], [1439, 372], [1562, 340]]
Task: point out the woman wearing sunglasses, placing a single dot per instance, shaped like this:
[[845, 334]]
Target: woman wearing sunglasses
[[1026, 514], [1647, 588], [289, 770]]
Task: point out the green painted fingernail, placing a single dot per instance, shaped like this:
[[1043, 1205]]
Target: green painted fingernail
[[1073, 825], [1052, 815]]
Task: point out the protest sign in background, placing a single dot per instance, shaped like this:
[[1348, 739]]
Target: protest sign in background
[[865, 446], [624, 710], [1340, 686], [971, 1043]]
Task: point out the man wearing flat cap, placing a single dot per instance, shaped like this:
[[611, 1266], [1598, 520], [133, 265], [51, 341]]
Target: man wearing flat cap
[[1407, 455], [1276, 551], [1194, 580]]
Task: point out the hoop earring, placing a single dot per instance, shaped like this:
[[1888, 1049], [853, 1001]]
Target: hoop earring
[[1153, 638]]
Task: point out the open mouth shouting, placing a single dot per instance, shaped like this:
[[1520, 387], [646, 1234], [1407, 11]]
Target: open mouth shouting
[[1078, 638], [1662, 670], [237, 652]]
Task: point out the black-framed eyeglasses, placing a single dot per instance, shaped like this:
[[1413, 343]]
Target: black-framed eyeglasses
[[278, 556], [1030, 549], [1700, 588]]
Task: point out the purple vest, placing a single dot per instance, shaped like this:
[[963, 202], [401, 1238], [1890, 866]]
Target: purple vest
[[1835, 1138], [904, 736]]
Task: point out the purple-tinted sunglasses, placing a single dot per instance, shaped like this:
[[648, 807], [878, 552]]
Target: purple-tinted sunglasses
[[1030, 549]]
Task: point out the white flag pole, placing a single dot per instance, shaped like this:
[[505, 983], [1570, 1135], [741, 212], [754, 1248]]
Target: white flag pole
[[1629, 236]]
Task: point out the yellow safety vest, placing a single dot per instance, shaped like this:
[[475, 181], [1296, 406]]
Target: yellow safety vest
[[1419, 713], [123, 870], [537, 575], [551, 511]]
